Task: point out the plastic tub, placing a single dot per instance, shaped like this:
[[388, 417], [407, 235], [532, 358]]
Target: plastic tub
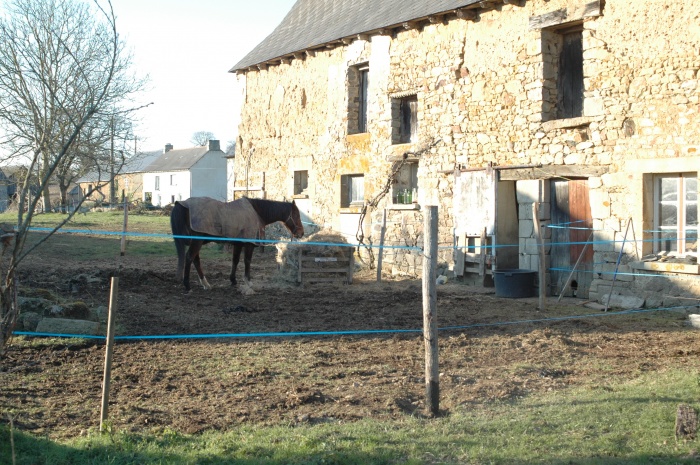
[[514, 283]]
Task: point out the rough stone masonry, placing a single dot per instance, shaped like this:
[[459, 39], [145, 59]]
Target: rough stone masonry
[[484, 81]]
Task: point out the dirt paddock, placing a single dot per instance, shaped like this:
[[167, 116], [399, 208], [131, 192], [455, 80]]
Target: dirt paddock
[[493, 349]]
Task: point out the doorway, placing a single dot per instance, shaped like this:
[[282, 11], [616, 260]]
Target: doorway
[[571, 231]]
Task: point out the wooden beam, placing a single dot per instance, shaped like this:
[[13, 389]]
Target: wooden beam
[[565, 15], [465, 14], [435, 19], [409, 25], [551, 171], [548, 19], [286, 61], [299, 55], [311, 53], [347, 40], [262, 66], [362, 36]]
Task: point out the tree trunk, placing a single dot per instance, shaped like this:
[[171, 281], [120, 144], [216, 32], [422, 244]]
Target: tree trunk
[[64, 198], [45, 193], [9, 312]]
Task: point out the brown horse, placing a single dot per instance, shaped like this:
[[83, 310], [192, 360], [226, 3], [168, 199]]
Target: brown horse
[[195, 219]]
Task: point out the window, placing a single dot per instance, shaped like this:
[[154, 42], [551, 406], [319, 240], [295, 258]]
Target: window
[[148, 197], [358, 86], [404, 116], [563, 70], [172, 199], [157, 187], [172, 179], [676, 213], [301, 182], [352, 190], [405, 189]]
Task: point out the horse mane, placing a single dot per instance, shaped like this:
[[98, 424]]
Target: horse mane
[[273, 210]]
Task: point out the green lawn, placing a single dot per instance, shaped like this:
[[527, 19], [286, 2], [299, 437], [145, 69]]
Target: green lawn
[[625, 422], [148, 222]]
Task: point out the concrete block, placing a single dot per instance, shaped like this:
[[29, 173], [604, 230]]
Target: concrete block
[[531, 246], [526, 229], [528, 191], [626, 302], [67, 326], [525, 212], [600, 203]]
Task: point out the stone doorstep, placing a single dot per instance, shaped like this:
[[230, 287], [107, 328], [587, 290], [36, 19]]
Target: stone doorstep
[[68, 326]]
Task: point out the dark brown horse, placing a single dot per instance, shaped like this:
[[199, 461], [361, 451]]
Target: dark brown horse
[[194, 220]]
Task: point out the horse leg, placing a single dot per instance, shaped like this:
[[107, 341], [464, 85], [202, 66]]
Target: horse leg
[[181, 252], [234, 261], [186, 270], [193, 257], [247, 259], [202, 279]]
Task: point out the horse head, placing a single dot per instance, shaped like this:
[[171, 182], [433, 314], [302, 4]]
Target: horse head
[[293, 222]]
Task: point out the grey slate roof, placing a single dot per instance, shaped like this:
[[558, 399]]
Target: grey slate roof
[[135, 164], [311, 23], [178, 160], [139, 164]]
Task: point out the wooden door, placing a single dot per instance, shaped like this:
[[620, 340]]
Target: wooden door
[[571, 229]]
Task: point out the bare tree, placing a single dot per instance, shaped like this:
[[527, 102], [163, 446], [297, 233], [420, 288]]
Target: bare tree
[[202, 138], [231, 148], [64, 79]]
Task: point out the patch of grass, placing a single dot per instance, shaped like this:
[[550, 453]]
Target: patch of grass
[[148, 222], [628, 422], [98, 236]]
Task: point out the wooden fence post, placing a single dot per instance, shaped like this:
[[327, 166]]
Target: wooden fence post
[[430, 332], [108, 352], [126, 220], [543, 258]]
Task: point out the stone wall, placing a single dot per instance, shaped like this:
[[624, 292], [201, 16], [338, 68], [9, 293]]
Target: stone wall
[[482, 88]]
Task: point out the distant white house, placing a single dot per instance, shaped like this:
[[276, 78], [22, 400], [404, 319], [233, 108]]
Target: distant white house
[[181, 174]]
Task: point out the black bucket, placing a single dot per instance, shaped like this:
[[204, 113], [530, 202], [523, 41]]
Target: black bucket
[[514, 283]]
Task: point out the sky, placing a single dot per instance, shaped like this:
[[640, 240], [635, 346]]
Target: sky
[[186, 47]]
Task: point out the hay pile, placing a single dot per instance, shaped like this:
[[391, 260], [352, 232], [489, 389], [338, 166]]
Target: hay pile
[[320, 244]]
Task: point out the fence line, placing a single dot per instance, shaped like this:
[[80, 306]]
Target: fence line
[[360, 332]]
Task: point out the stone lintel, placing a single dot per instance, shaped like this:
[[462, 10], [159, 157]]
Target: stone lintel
[[565, 15], [567, 123], [551, 171]]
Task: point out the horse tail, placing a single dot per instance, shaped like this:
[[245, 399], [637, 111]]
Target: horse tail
[[178, 224]]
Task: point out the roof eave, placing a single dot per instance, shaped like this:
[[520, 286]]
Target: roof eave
[[468, 12]]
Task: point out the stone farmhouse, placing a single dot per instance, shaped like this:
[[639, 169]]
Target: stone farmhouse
[[128, 180], [178, 174], [586, 110]]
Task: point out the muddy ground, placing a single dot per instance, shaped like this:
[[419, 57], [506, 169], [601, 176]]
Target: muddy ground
[[494, 348]]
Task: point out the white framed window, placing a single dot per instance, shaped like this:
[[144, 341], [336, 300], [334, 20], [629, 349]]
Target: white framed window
[[405, 189], [157, 186], [676, 213], [172, 179], [352, 190]]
